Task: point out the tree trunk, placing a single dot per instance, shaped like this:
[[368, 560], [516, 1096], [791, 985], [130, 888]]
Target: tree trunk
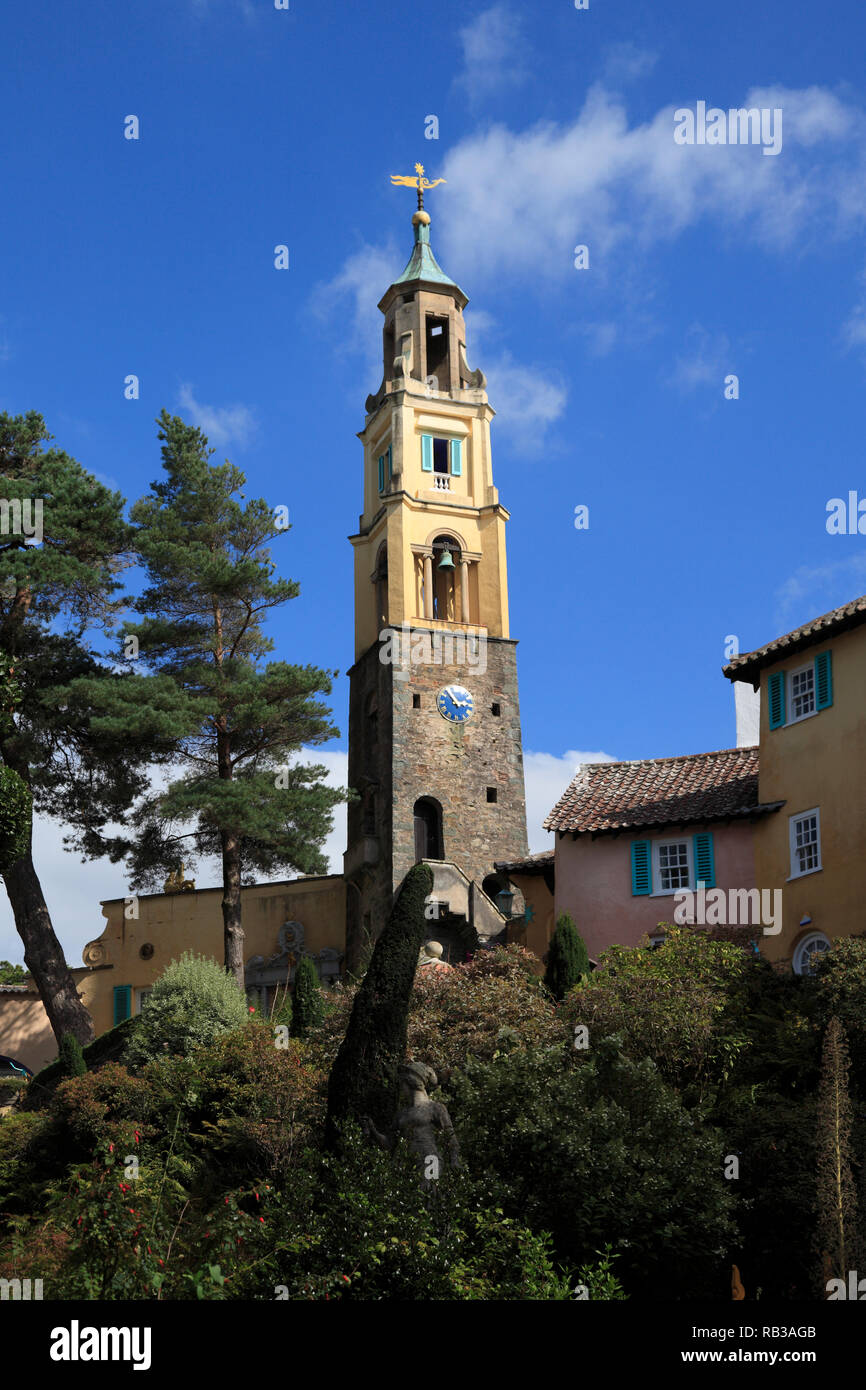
[[43, 954], [233, 932]]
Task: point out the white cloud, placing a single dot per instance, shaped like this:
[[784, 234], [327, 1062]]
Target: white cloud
[[528, 400], [707, 361], [366, 275], [625, 62], [816, 589], [547, 777], [223, 425], [494, 51], [601, 181]]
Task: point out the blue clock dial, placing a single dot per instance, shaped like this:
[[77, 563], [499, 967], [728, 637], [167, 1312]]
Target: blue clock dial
[[455, 703]]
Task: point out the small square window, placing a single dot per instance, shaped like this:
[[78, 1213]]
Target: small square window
[[416, 701], [435, 332], [673, 867], [492, 793], [494, 709], [802, 693]]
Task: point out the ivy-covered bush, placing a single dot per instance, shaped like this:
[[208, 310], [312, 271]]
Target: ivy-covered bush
[[16, 812], [189, 1006]]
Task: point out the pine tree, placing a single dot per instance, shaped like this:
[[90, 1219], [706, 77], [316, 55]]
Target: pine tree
[[308, 1006], [836, 1238], [53, 593], [363, 1079], [71, 1056], [208, 701], [567, 958]]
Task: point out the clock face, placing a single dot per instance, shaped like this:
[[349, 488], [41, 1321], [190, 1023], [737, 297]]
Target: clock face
[[455, 703]]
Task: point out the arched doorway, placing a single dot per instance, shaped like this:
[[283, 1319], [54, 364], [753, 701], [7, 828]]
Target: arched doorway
[[428, 829]]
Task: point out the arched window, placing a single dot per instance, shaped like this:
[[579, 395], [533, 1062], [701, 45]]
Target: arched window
[[380, 580], [812, 943], [428, 829], [445, 579]]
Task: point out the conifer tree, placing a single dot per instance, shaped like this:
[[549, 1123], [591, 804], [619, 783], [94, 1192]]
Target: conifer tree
[[308, 1006], [210, 703], [363, 1079], [836, 1236], [62, 543], [567, 958], [71, 1056]]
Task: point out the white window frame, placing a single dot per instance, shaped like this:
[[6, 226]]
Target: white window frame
[[804, 948], [792, 843], [656, 869], [141, 992], [791, 718]]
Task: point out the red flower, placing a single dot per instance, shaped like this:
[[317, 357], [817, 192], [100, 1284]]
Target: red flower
[[111, 1148]]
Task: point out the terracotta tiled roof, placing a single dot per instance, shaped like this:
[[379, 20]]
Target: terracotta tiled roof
[[660, 791], [532, 864], [748, 664]]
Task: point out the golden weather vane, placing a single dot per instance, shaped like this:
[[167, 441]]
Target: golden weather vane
[[418, 182]]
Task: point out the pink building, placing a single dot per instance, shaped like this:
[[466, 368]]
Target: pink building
[[630, 836]]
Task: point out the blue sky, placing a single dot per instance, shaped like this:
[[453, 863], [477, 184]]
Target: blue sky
[[261, 126]]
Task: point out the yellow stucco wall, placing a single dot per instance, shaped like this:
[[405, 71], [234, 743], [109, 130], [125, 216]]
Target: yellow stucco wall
[[178, 922], [535, 934], [818, 762], [25, 1033]]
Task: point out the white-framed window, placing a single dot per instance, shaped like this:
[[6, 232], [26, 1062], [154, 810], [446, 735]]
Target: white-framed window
[[672, 866], [805, 839], [801, 693], [805, 949], [140, 997]]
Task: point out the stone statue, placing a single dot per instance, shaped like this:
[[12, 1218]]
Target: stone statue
[[422, 1122], [430, 958]]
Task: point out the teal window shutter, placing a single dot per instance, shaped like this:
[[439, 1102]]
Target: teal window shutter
[[705, 861], [390, 461], [457, 457], [427, 453], [381, 472], [776, 699], [823, 680], [641, 868], [122, 1004]]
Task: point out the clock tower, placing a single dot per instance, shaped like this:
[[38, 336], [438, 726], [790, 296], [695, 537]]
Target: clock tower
[[435, 753]]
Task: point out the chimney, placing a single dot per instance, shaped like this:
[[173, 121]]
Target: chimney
[[747, 703]]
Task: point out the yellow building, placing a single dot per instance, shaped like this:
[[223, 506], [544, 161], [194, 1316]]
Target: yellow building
[[282, 922], [812, 685]]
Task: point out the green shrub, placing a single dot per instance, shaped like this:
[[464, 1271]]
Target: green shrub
[[595, 1147], [110, 1046], [359, 1226], [308, 1006], [190, 1005], [71, 1056], [567, 958]]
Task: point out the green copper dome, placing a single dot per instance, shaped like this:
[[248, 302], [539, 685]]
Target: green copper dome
[[422, 263]]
